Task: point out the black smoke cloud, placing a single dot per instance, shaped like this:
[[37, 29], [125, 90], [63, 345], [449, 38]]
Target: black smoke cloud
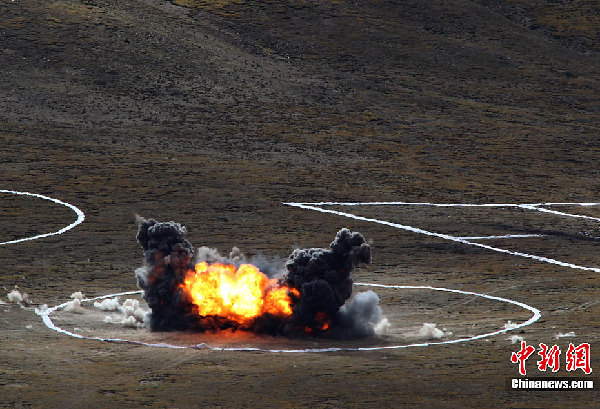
[[168, 257], [321, 276]]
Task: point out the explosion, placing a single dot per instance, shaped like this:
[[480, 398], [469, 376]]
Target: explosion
[[237, 294], [207, 292]]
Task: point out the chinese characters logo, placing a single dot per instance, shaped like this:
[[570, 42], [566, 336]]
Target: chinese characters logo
[[576, 357]]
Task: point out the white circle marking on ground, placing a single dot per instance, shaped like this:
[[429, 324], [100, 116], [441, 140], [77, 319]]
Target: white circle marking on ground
[[79, 213], [536, 316]]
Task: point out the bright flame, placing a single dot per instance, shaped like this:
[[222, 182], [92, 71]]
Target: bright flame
[[239, 295], [322, 323]]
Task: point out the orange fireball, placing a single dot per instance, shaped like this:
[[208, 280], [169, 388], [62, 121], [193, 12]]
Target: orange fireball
[[239, 295]]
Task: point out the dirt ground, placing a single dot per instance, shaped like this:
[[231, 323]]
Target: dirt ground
[[213, 113]]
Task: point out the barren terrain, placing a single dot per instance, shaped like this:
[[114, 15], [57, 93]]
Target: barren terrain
[[214, 113]]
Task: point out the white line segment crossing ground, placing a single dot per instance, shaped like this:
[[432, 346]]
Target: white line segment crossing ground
[[320, 207]]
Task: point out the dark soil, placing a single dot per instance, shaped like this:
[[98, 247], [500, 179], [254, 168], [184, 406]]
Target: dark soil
[[212, 113]]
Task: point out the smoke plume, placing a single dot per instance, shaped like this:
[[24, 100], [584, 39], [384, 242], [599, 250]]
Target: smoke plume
[[323, 279], [168, 257], [318, 282]]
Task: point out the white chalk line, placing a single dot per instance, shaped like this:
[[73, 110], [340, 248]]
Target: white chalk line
[[447, 236], [536, 316], [504, 236], [444, 204], [79, 213], [541, 209]]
